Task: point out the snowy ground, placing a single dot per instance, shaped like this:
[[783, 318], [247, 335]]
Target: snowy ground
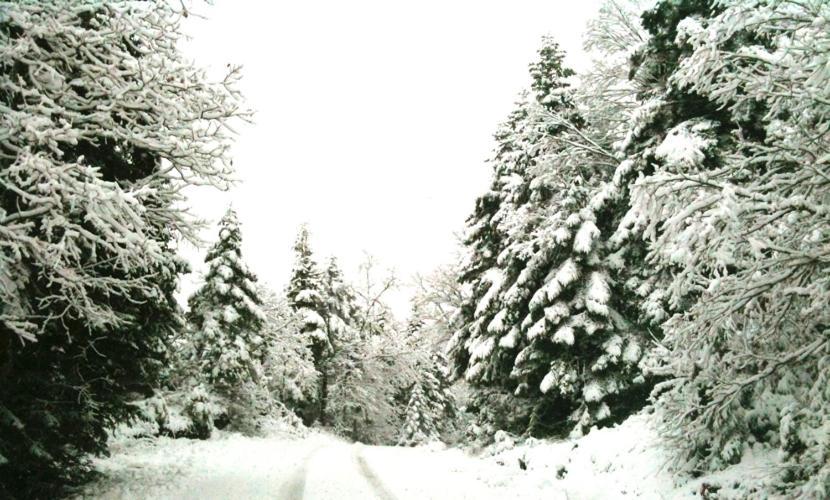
[[624, 462]]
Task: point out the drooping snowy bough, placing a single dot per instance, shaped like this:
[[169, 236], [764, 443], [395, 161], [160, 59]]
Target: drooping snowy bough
[[78, 78], [746, 219], [102, 124]]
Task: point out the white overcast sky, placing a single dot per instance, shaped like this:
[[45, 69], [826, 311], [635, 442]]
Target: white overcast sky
[[374, 120]]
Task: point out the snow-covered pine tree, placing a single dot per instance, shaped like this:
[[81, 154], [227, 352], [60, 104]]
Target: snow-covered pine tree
[[486, 234], [430, 408], [95, 148], [225, 313], [422, 418], [340, 305], [733, 201], [305, 295], [288, 366], [548, 326], [416, 322]]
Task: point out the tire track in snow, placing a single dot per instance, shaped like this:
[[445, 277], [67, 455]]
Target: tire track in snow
[[374, 481], [294, 488]]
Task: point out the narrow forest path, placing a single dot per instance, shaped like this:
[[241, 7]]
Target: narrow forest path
[[294, 487], [317, 467], [337, 471]]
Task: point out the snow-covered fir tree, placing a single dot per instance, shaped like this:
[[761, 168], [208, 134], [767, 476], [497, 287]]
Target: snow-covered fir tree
[[422, 418], [287, 366], [225, 313], [103, 123], [430, 408], [339, 298], [732, 206], [546, 326], [306, 296]]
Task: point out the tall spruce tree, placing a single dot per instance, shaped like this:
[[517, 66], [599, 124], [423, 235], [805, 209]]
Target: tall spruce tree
[[88, 209], [340, 304], [488, 227], [225, 312], [547, 327], [430, 407], [306, 293]]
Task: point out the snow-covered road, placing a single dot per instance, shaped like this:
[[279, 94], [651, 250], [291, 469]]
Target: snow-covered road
[[317, 467], [622, 462]]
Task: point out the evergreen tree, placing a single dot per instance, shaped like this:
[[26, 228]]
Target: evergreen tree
[[421, 423], [288, 367], [416, 321], [430, 409], [728, 204], [488, 227], [225, 313], [547, 327], [306, 296], [88, 211], [340, 304], [341, 318]]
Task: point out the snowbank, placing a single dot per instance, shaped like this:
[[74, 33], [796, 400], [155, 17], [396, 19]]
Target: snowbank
[[626, 461]]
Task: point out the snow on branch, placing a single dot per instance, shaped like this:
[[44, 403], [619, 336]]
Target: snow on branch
[[87, 85]]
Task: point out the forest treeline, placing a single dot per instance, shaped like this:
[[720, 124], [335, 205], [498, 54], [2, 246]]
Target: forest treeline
[[654, 238]]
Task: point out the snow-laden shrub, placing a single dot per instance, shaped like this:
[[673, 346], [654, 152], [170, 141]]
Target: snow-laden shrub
[[203, 408], [502, 441], [284, 422], [177, 414], [150, 420], [248, 406]]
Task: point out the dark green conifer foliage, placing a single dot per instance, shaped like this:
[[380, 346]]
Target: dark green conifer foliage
[[339, 301], [225, 312], [546, 324], [312, 295], [306, 296], [60, 394], [486, 237]]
